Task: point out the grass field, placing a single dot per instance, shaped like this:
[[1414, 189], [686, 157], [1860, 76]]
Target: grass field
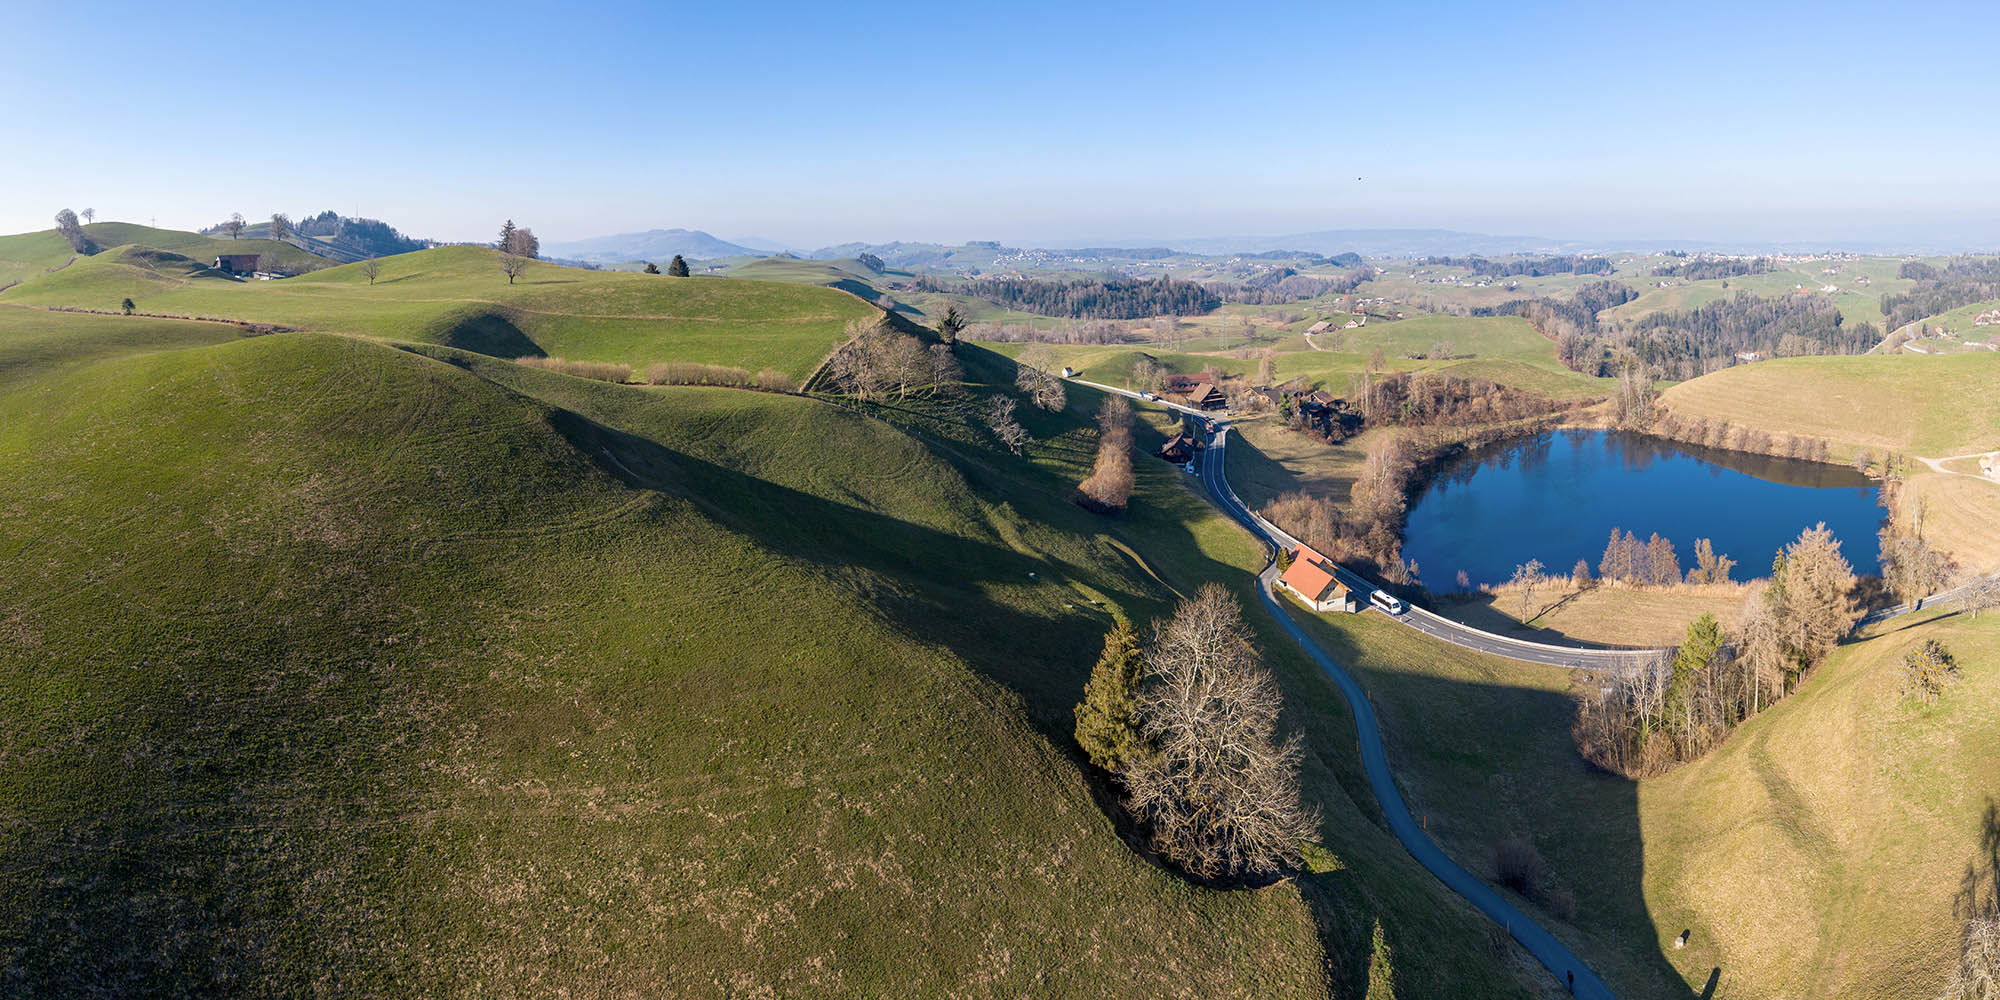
[[1503, 350], [25, 255], [1597, 615], [1840, 816], [337, 668], [1914, 405], [457, 296]]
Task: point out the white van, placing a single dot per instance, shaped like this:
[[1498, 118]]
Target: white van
[[1388, 603]]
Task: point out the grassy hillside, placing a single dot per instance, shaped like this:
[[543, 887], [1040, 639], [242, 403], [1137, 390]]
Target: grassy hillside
[[34, 341], [457, 296], [1817, 853], [25, 255], [1923, 406], [516, 699], [339, 668]]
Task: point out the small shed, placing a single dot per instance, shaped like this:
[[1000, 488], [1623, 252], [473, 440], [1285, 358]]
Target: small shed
[[1180, 448], [236, 263], [1320, 327]]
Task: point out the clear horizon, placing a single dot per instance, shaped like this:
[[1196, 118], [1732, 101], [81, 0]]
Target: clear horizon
[[809, 127]]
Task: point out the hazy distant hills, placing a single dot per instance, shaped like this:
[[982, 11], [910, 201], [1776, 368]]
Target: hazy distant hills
[[655, 245], [662, 244]]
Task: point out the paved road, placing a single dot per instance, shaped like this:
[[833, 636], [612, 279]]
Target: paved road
[[1456, 633], [1430, 623], [1553, 954]]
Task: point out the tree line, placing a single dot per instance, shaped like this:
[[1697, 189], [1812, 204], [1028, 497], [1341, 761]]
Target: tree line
[[1530, 267], [1710, 268], [1645, 721], [1961, 282], [1105, 298], [369, 236], [877, 362], [1283, 285], [1686, 344]]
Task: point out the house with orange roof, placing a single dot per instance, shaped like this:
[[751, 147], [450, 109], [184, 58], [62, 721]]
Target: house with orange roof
[[1311, 576]]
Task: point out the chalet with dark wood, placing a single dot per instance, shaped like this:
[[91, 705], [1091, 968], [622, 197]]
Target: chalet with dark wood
[[236, 263], [1180, 448], [1204, 397]]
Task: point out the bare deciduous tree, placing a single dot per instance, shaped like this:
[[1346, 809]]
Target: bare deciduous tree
[[1981, 593], [72, 231], [1146, 375], [1977, 976], [1910, 567], [1217, 789], [371, 269], [1109, 487], [947, 376], [999, 417], [1527, 579], [513, 266], [521, 242], [233, 225], [1035, 375], [281, 225], [89, 216]]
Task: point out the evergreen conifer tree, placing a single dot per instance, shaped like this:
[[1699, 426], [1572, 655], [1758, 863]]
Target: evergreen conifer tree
[[1107, 725]]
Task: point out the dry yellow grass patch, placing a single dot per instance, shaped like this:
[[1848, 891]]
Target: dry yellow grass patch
[[1961, 517], [1610, 614]]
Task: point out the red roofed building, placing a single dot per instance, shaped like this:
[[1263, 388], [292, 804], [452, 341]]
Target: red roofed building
[[1311, 576]]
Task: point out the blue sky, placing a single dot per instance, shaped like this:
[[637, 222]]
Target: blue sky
[[812, 123]]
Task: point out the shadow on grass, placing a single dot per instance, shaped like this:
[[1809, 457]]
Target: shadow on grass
[[1478, 763], [1478, 610], [986, 603], [1979, 889], [492, 334]]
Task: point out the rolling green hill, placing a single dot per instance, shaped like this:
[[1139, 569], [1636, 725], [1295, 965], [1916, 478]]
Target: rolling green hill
[[340, 668], [457, 296], [27, 255], [1925, 406], [1818, 852], [1913, 405]]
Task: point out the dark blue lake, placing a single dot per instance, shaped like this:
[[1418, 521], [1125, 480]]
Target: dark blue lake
[[1556, 497]]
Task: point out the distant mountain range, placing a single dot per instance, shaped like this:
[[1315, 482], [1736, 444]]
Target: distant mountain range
[[657, 245], [662, 244]]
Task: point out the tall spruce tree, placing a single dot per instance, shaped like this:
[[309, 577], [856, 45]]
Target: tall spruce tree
[[507, 237], [1107, 720], [678, 268], [950, 324], [1698, 649]]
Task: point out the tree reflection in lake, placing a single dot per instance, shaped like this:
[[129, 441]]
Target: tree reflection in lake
[[1556, 496]]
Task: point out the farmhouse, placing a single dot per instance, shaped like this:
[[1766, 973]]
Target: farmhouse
[[1311, 577], [1204, 397], [1186, 383], [1320, 327], [1180, 448], [236, 263]]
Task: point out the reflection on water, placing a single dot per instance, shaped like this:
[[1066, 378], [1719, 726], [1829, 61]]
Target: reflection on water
[[1557, 496]]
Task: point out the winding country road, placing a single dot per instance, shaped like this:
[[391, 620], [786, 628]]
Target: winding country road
[[1435, 625], [1568, 969], [1553, 954]]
